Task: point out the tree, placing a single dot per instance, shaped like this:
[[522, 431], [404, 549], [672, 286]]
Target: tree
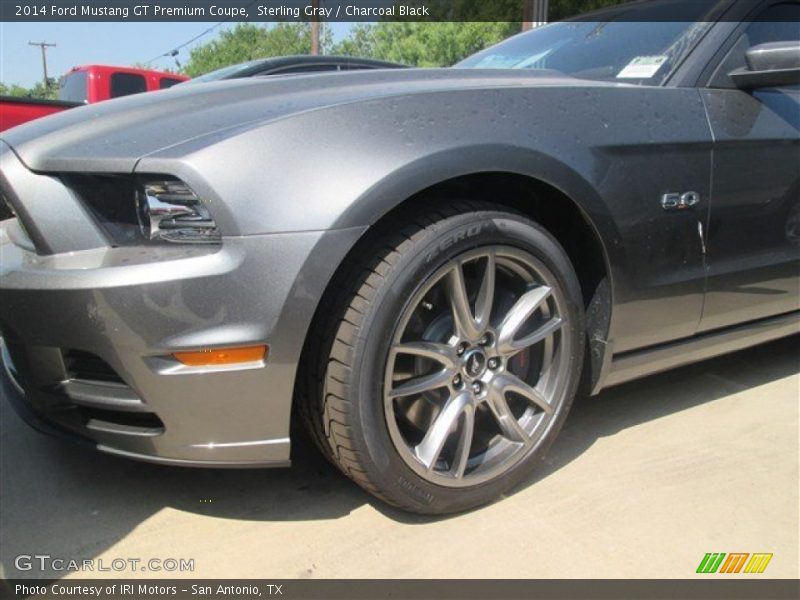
[[423, 44], [37, 91], [13, 90], [249, 42]]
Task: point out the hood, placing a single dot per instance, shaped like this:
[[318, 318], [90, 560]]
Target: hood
[[112, 136]]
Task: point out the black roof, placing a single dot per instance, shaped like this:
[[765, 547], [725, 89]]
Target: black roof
[[277, 65]]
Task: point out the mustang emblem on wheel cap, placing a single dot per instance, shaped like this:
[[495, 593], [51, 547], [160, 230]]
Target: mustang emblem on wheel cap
[[476, 363]]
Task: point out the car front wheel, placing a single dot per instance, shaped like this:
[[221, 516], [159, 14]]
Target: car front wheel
[[451, 358]]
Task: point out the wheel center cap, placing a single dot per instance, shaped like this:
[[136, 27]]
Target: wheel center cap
[[474, 363]]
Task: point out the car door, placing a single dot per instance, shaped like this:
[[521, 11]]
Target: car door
[[753, 234]]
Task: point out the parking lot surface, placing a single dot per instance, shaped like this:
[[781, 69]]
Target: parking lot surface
[[644, 480]]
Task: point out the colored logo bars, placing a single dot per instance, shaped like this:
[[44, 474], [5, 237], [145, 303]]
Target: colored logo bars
[[714, 562]]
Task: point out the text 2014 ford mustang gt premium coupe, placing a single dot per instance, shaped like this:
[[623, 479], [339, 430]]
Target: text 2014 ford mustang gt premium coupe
[[427, 283]]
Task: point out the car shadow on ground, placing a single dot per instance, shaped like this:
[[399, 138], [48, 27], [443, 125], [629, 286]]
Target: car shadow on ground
[[68, 501]]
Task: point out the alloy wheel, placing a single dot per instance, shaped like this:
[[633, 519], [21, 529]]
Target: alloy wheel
[[476, 371]]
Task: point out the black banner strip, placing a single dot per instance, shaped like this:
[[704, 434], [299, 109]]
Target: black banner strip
[[270, 11], [712, 588]]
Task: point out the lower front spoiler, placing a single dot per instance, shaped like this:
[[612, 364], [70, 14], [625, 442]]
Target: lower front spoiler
[[15, 395]]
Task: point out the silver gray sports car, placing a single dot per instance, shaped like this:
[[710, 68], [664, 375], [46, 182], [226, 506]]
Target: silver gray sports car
[[422, 266]]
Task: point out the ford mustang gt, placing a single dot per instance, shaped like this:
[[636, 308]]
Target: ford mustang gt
[[421, 266]]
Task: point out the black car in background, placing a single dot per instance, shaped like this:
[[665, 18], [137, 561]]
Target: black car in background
[[294, 65]]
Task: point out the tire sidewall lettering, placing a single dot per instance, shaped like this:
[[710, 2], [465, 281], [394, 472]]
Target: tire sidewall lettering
[[409, 273]]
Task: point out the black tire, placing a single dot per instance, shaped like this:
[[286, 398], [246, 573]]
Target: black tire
[[344, 362]]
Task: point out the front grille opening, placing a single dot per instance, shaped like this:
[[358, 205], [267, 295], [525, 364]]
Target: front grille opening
[[89, 367], [6, 212], [127, 419], [18, 360]]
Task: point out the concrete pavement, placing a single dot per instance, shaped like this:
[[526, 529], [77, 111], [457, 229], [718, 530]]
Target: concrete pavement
[[644, 480]]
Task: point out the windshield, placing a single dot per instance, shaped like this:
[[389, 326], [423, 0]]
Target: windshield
[[223, 73], [626, 51]]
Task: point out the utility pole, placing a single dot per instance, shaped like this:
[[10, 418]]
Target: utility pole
[[534, 13], [314, 37], [315, 29], [44, 46]]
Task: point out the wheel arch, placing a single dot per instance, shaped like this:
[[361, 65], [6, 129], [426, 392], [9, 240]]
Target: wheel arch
[[550, 201], [426, 172]]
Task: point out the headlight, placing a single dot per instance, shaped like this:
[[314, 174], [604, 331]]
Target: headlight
[[150, 209], [169, 210]]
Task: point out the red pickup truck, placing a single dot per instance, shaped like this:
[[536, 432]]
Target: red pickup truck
[[85, 85]]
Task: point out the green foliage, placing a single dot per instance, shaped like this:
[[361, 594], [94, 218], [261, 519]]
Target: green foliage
[[428, 44], [37, 91], [247, 41], [12, 90], [423, 44]]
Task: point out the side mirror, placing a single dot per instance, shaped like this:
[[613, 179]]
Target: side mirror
[[769, 65]]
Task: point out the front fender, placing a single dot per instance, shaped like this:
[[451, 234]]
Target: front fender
[[432, 169], [346, 166]]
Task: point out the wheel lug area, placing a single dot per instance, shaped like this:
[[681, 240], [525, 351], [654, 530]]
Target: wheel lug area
[[477, 387], [487, 339], [494, 363], [457, 381], [461, 348]]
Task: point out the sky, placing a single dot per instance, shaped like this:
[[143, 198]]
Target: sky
[[98, 43]]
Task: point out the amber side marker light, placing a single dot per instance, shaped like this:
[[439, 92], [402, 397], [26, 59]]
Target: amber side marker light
[[223, 356]]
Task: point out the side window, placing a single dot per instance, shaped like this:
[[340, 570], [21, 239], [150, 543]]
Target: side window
[[167, 82], [778, 23], [125, 84]]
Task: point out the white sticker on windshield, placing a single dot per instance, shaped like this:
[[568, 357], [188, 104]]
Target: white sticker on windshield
[[642, 67]]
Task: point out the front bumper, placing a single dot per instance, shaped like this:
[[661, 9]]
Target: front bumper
[[91, 328], [91, 334]]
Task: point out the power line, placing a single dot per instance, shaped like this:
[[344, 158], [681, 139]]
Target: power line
[[174, 51]]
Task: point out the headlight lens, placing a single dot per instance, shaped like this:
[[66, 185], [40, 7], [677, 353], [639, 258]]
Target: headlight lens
[[169, 210], [146, 209]]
